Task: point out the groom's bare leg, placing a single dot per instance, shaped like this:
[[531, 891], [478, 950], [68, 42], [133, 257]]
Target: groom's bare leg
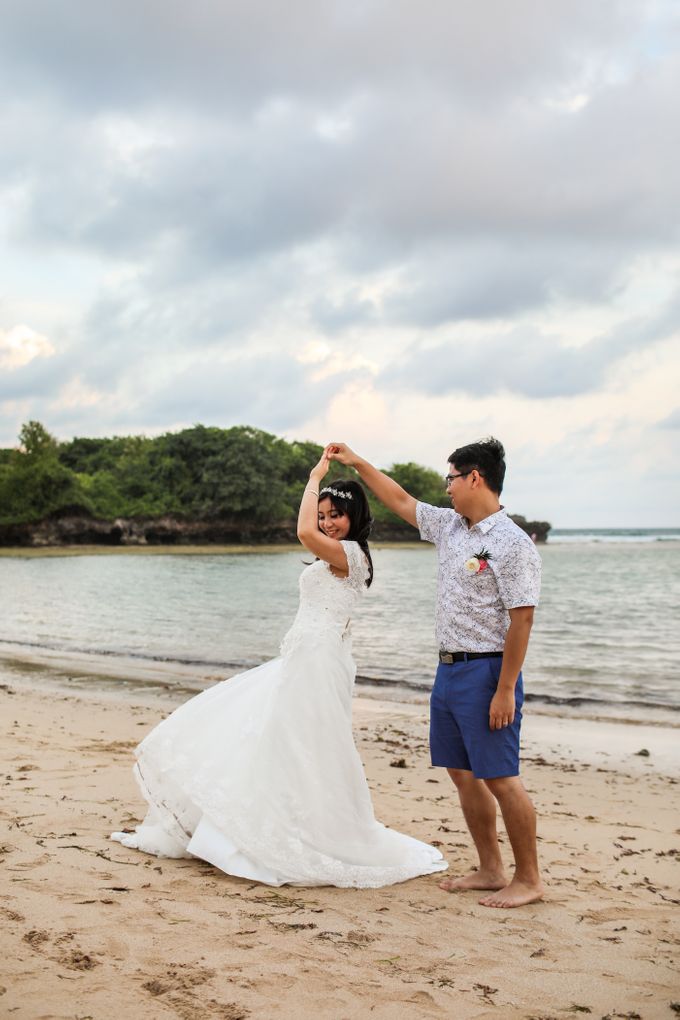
[[479, 809], [520, 822]]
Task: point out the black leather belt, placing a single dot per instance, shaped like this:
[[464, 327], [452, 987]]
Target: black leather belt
[[450, 657]]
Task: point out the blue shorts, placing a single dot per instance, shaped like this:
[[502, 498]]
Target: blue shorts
[[460, 735]]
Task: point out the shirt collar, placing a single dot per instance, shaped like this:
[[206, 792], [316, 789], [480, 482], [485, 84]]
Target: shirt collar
[[487, 524]]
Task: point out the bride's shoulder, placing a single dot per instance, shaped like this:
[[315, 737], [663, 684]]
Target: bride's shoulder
[[352, 548], [357, 560]]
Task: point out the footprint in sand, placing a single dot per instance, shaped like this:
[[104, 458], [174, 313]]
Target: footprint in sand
[[36, 938], [176, 988], [11, 915], [180, 978], [73, 958], [612, 914]]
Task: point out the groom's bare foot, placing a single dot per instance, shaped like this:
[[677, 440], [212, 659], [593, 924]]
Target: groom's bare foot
[[517, 894], [475, 880]]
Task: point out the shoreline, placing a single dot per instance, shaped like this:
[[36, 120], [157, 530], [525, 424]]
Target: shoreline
[[176, 550], [93, 929], [555, 732], [286, 547], [189, 677]]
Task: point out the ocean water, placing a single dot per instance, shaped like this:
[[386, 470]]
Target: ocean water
[[615, 535], [606, 632]]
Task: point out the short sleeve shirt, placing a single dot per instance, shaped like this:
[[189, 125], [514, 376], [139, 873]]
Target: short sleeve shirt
[[472, 608]]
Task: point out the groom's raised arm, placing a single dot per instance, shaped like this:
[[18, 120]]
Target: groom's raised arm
[[381, 485]]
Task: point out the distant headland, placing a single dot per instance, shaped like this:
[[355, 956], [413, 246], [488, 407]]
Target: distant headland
[[199, 486]]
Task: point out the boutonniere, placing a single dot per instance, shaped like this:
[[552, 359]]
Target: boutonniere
[[478, 562]]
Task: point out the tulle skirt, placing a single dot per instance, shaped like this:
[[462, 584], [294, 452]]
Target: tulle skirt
[[260, 776]]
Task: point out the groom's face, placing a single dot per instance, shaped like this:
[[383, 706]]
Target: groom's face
[[457, 488]]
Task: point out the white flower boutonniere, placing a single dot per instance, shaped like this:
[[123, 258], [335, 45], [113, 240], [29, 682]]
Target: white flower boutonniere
[[478, 562]]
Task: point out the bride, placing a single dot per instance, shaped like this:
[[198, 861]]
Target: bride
[[259, 775]]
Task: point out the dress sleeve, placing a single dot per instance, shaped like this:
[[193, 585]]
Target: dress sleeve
[[357, 563], [430, 521], [519, 576]]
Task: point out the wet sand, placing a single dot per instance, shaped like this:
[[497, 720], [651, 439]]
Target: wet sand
[[46, 551], [91, 929]]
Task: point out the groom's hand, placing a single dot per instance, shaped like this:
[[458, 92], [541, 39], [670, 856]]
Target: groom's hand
[[502, 709], [381, 485], [342, 453]]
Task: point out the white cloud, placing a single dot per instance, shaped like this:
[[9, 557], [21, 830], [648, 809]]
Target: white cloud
[[20, 345]]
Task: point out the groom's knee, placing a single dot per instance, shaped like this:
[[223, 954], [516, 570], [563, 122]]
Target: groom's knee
[[504, 786], [462, 778]]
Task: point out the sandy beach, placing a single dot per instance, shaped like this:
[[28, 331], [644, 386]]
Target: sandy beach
[[92, 930]]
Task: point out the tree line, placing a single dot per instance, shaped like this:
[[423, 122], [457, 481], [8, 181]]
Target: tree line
[[203, 484], [201, 473]]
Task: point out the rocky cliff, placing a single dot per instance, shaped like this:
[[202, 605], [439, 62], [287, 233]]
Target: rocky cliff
[[80, 529]]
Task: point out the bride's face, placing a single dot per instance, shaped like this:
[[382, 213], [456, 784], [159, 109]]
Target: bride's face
[[333, 522]]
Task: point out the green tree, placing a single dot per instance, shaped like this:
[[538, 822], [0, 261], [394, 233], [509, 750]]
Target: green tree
[[34, 484], [243, 474], [36, 441], [87, 456]]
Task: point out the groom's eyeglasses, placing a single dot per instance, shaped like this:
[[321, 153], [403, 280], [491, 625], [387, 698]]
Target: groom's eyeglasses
[[463, 474]]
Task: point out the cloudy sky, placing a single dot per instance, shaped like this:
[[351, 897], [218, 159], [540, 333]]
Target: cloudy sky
[[402, 225]]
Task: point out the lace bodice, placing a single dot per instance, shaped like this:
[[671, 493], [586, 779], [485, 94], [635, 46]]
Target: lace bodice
[[327, 601]]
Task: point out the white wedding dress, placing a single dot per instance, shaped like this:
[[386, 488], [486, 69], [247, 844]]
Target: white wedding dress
[[259, 775]]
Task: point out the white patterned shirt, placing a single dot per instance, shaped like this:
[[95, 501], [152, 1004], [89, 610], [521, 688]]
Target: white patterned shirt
[[472, 608]]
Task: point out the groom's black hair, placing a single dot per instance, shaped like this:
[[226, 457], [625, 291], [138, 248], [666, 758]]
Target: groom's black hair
[[358, 511], [486, 456]]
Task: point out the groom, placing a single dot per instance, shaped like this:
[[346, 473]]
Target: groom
[[488, 585]]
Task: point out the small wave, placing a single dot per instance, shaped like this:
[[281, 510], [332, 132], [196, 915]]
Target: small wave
[[575, 701], [577, 536], [117, 653], [230, 667], [578, 701]]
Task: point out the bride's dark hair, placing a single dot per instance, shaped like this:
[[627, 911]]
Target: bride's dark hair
[[358, 511]]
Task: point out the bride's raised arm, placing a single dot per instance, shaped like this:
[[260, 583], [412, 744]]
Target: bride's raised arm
[[328, 549]]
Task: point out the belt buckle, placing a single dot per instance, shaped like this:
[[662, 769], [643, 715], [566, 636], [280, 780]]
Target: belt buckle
[[446, 658]]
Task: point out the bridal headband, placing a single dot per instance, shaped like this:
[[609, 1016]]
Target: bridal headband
[[335, 492]]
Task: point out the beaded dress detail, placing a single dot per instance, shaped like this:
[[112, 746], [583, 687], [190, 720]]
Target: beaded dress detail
[[260, 776]]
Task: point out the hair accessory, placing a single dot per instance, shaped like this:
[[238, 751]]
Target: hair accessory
[[336, 492]]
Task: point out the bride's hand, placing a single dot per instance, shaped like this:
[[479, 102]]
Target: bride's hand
[[320, 470], [342, 453]]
